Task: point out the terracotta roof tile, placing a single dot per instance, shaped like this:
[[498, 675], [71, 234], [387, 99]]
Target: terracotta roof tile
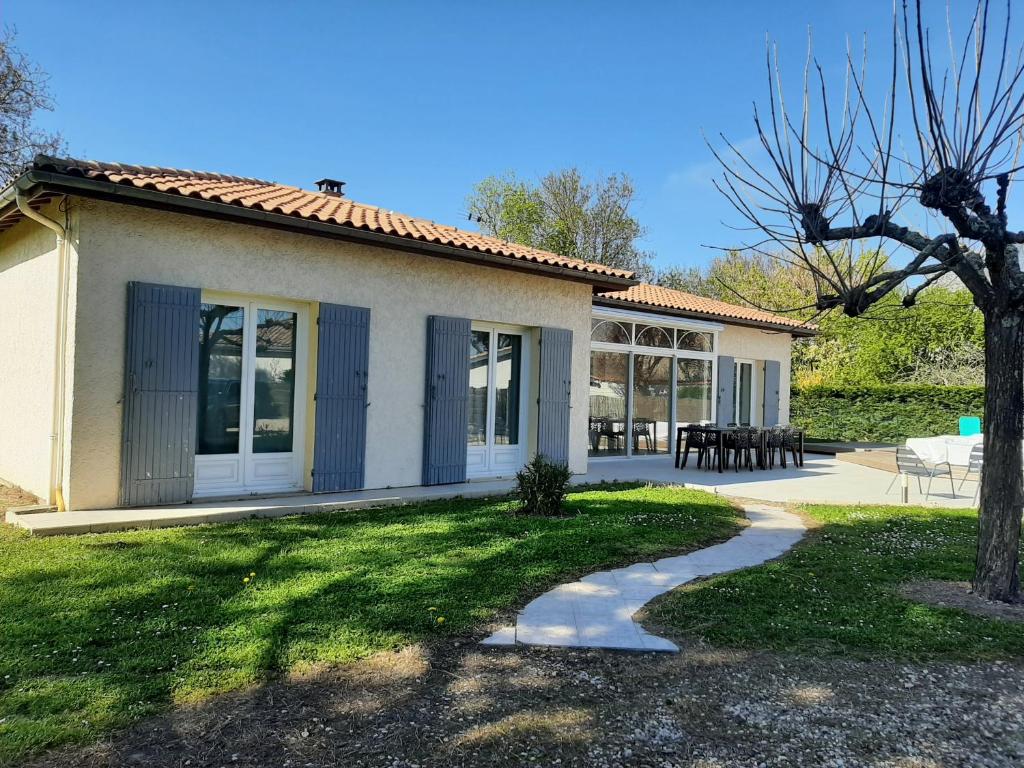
[[317, 206], [648, 295]]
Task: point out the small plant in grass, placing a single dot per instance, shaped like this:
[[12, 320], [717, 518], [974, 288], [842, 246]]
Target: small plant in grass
[[541, 486]]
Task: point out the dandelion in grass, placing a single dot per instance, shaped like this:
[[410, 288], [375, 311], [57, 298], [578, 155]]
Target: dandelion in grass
[[440, 619]]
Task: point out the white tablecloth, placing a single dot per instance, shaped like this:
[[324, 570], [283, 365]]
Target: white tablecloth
[[956, 449]]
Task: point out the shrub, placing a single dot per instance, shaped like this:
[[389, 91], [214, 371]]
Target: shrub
[[886, 413], [541, 486]]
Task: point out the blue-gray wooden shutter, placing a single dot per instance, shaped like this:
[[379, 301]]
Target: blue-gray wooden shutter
[[342, 362], [446, 405], [772, 382], [554, 403], [726, 389], [158, 443]]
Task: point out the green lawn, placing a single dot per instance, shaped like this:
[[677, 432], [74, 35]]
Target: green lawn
[[837, 592], [100, 630]]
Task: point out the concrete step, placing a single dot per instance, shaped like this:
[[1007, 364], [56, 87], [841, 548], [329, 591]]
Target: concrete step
[[43, 521]]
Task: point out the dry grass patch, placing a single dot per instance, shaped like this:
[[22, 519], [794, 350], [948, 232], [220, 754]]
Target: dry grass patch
[[958, 595]]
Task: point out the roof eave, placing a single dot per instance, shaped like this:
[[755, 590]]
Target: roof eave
[[800, 331], [45, 181]]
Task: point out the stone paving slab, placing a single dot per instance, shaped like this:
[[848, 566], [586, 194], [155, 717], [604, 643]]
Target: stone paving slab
[[597, 611]]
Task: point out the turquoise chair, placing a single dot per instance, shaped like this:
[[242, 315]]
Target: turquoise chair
[[970, 425]]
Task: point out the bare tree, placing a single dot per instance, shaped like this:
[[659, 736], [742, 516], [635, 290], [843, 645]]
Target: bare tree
[[840, 182], [23, 92]]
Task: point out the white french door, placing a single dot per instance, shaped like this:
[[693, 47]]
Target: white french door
[[497, 401], [252, 405]]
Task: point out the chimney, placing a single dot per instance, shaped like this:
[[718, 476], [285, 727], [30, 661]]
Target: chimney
[[330, 187]]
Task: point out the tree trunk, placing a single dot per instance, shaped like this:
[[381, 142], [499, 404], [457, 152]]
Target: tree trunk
[[996, 575]]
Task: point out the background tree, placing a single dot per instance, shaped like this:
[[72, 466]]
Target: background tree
[[840, 180], [565, 214], [939, 340], [753, 279], [23, 92]]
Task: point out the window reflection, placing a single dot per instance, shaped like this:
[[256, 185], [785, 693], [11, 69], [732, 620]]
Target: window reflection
[[693, 391], [652, 336], [609, 331], [506, 390], [609, 372], [274, 396], [220, 377], [743, 381], [694, 340], [652, 390], [479, 354]]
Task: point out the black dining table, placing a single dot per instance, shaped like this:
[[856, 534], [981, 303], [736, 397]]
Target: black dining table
[[719, 434]]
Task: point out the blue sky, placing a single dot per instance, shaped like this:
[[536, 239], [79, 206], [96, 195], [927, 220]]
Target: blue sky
[[413, 102]]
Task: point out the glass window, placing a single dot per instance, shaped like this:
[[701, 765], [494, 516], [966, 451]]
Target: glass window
[[652, 392], [743, 381], [274, 395], [220, 377], [506, 389], [693, 391], [479, 359], [694, 341], [609, 331], [652, 336], [609, 372]]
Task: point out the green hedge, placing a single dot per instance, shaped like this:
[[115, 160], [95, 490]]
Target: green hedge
[[887, 414]]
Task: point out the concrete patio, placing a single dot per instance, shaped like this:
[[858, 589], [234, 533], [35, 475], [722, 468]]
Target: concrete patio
[[822, 479]]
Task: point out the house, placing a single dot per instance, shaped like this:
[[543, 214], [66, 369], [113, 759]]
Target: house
[[171, 335]]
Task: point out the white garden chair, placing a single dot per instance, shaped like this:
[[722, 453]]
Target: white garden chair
[[910, 464], [974, 466]]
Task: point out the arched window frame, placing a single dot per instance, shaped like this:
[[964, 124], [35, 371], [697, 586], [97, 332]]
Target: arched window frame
[[707, 343], [597, 324], [652, 330]]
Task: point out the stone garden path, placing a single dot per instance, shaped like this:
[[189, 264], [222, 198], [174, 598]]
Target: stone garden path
[[597, 611]]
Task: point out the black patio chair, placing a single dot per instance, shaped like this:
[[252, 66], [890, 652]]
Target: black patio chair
[[740, 443], [714, 452], [696, 439], [643, 429], [604, 427], [791, 442], [595, 433], [775, 443]]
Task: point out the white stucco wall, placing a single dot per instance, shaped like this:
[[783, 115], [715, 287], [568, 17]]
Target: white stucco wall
[[28, 302], [757, 344], [122, 243]]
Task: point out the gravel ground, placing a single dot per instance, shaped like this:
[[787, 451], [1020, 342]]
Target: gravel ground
[[461, 705]]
